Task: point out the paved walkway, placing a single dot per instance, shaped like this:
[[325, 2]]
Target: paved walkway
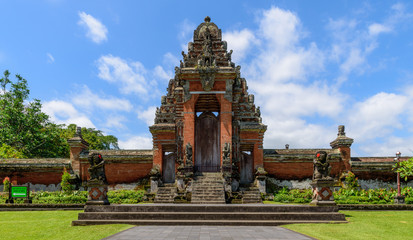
[[207, 233]]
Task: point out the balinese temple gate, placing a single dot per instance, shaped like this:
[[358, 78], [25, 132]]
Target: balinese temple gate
[[208, 122]]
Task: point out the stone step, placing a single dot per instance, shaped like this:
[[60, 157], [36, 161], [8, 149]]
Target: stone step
[[200, 222], [207, 202], [209, 216], [258, 208]]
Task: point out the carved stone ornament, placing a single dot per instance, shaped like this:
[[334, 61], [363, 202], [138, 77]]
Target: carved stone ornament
[[321, 166], [97, 167], [207, 78], [188, 153]]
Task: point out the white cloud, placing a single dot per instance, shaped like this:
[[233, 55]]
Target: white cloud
[[129, 75], [377, 116], [185, 33], [90, 100], [50, 58], [136, 142], [389, 147], [115, 121], [62, 112], [240, 42], [376, 29], [159, 72], [147, 115], [278, 73], [96, 31]]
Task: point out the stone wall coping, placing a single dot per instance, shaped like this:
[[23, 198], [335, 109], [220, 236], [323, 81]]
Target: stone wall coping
[[298, 151], [377, 159], [130, 152], [25, 161]]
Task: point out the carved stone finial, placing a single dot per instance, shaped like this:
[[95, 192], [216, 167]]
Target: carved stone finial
[[341, 131], [207, 19], [342, 139], [78, 132]]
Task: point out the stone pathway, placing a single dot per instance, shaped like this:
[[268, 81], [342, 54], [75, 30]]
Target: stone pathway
[[207, 233]]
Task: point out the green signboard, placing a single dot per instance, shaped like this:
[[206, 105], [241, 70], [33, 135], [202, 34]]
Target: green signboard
[[19, 191]]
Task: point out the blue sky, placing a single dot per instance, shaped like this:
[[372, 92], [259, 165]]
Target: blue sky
[[312, 65]]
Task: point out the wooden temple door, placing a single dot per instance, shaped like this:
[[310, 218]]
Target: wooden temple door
[[207, 138], [246, 168], [168, 168]]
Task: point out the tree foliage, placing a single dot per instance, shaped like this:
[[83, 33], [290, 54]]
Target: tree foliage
[[25, 131], [405, 168]]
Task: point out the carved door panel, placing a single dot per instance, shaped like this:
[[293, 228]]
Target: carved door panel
[[246, 168], [168, 168], [207, 150]]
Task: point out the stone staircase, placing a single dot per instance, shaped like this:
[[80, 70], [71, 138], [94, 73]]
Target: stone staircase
[[208, 188], [251, 194], [166, 193], [208, 214]]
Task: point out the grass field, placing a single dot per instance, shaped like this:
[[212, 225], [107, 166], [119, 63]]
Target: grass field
[[363, 225], [57, 225], [50, 225]]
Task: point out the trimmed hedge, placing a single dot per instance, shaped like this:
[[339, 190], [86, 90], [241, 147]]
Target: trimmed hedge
[[345, 196], [80, 197]]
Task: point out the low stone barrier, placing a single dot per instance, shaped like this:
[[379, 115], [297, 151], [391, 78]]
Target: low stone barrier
[[40, 207], [375, 207]]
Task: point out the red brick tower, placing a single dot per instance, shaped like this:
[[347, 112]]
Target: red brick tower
[[207, 107]]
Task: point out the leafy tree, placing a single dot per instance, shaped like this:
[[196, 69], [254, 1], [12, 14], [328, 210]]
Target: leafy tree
[[9, 152], [25, 131], [23, 126], [405, 168], [94, 137]]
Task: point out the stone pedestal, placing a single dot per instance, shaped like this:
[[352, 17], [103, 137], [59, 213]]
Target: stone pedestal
[[399, 200], [154, 184], [323, 192], [180, 184], [260, 183], [97, 193]]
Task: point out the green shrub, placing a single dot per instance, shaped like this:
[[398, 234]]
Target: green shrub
[[6, 184], [346, 196], [67, 188], [352, 181]]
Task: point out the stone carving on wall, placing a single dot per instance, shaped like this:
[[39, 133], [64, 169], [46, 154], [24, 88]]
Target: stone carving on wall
[[188, 154], [97, 167], [226, 152], [321, 166], [207, 76]]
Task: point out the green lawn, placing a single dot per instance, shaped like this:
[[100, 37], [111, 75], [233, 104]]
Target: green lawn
[[50, 225], [363, 225], [57, 225]]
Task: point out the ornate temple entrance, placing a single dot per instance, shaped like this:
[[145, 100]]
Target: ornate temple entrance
[[207, 150], [208, 121]]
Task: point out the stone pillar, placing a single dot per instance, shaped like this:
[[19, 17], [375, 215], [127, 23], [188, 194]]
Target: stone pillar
[[323, 192], [97, 193], [343, 144], [260, 177], [77, 145], [322, 183], [97, 185]]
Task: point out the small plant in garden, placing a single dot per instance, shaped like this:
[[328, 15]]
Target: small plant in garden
[[6, 184], [65, 184], [405, 168], [352, 181]]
